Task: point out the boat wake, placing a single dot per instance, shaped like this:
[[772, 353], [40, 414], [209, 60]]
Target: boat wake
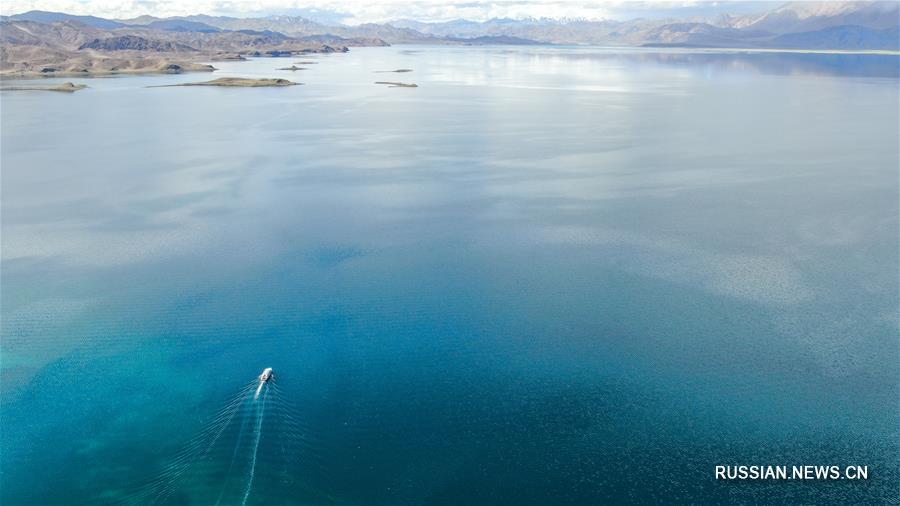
[[255, 444], [258, 430]]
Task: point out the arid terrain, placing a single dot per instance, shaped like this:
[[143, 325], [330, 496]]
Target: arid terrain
[[72, 47]]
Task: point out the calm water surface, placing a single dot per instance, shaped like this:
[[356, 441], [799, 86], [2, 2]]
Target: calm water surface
[[546, 275]]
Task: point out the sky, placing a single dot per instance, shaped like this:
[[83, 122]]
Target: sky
[[364, 11]]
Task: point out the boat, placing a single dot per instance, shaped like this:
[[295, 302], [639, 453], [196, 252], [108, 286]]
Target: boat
[[264, 378]]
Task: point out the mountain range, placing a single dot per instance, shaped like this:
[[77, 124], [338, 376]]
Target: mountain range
[[803, 25], [46, 42], [869, 25], [807, 25]]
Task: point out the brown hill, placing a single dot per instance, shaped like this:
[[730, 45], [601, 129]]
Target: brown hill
[[134, 43], [73, 47]]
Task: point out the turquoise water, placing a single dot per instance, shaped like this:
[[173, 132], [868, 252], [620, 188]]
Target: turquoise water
[[546, 275]]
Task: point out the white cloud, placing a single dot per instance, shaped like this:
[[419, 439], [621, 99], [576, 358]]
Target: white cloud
[[363, 11]]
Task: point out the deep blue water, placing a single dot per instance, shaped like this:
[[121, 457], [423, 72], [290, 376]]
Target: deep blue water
[[546, 275]]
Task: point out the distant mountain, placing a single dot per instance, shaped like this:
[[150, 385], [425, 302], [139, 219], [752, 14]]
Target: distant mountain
[[845, 37], [328, 38], [702, 34], [485, 40], [62, 36], [389, 33], [134, 43], [288, 25], [463, 28], [58, 17], [811, 25], [140, 20], [264, 33], [748, 31], [181, 25], [795, 17]]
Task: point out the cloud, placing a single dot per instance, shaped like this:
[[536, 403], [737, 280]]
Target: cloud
[[365, 11]]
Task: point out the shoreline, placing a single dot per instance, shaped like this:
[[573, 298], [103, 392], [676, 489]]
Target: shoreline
[[680, 49], [182, 68], [204, 64], [92, 63]]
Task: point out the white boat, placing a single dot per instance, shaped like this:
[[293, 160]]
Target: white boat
[[264, 378]]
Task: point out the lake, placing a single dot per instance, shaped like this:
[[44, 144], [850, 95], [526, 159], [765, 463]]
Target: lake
[[545, 275]]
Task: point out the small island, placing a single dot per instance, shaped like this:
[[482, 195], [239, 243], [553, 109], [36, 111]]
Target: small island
[[292, 67], [95, 65], [392, 84], [67, 87], [227, 57], [306, 63], [237, 82], [397, 71]]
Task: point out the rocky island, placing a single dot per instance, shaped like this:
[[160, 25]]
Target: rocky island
[[64, 87], [391, 84], [237, 82]]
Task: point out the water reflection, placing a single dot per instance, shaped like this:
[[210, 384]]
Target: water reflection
[[782, 63], [762, 62]]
